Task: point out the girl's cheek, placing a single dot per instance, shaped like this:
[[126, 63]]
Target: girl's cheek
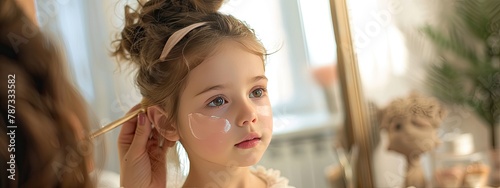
[[213, 146], [207, 134], [204, 128], [265, 114]]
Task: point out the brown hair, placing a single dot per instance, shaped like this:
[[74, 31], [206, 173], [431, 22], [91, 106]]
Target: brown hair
[[48, 148], [147, 30]]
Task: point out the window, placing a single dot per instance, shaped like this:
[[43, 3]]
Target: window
[[301, 35], [318, 29]]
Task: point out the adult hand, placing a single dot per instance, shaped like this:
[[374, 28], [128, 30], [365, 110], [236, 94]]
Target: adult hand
[[142, 160]]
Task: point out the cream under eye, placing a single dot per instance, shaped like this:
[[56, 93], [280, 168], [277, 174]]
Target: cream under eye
[[208, 127]]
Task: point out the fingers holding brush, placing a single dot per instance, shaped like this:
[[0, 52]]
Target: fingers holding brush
[[142, 160], [127, 132]]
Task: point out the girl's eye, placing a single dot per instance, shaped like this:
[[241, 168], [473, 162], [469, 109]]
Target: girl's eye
[[219, 101], [257, 93]]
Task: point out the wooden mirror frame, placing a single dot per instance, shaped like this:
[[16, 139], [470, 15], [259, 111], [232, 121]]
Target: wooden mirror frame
[[357, 122]]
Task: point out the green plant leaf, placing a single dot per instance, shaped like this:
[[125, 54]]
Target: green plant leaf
[[474, 79]]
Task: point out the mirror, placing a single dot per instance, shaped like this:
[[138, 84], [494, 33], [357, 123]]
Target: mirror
[[446, 52]]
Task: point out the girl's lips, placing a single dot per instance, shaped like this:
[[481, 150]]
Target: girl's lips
[[248, 143]]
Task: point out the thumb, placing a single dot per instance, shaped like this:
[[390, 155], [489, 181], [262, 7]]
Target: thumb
[[141, 136]]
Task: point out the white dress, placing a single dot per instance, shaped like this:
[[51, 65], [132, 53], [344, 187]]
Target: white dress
[[272, 177]]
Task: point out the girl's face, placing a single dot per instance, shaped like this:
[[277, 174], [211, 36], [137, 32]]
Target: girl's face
[[224, 115]]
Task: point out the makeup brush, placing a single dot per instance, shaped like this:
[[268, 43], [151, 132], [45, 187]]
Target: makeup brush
[[116, 123]]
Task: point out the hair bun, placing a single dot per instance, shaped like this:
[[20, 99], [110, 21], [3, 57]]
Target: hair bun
[[204, 6], [149, 17]]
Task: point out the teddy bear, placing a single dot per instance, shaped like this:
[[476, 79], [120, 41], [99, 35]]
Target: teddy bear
[[411, 124]]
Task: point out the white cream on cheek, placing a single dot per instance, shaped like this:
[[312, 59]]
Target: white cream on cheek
[[212, 127], [207, 127]]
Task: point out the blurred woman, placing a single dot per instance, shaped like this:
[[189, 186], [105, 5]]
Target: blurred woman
[[44, 119]]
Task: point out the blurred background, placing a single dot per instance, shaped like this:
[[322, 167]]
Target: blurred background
[[444, 49], [392, 55]]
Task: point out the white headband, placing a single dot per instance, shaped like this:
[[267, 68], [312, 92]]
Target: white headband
[[176, 37]]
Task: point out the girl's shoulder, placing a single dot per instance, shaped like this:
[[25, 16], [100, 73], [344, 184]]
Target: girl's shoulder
[[271, 176]]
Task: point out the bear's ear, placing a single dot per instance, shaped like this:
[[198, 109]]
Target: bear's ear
[[159, 118]]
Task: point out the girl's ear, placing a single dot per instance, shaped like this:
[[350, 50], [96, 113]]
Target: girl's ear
[[159, 118]]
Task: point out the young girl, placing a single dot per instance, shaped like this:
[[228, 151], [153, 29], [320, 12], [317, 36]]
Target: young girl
[[201, 75]]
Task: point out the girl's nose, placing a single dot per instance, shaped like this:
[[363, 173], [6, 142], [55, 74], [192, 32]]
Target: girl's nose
[[246, 113]]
